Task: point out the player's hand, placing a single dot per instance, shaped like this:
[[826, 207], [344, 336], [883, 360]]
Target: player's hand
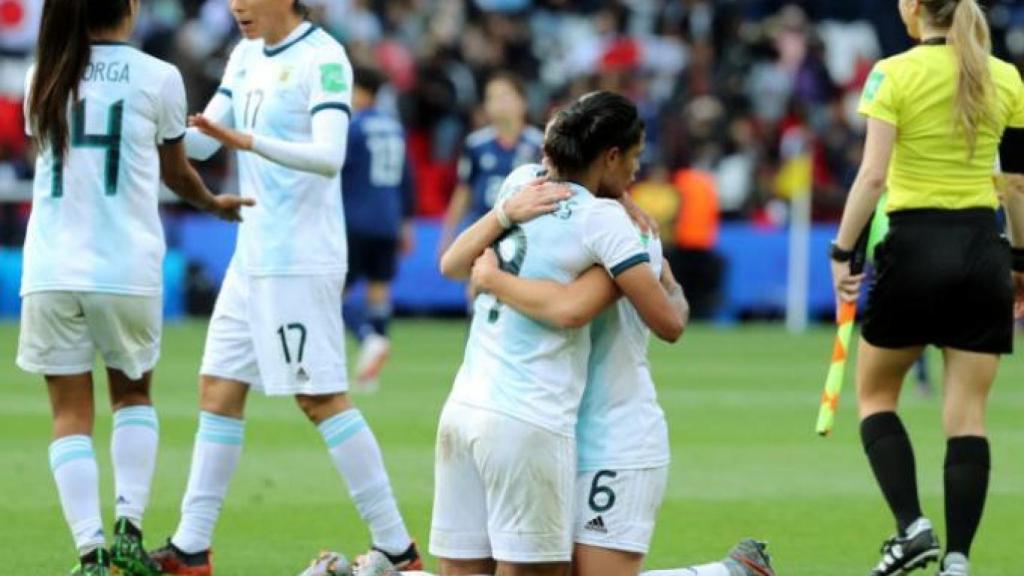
[[228, 137], [1018, 295], [535, 199], [846, 284], [485, 269], [643, 220], [229, 207]]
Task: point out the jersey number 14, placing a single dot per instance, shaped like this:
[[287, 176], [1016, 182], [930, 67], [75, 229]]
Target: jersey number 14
[[110, 142]]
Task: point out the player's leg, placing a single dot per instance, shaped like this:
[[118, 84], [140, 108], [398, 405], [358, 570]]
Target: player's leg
[[54, 342], [748, 558], [380, 268], [458, 524], [229, 369], [880, 374], [357, 457], [968, 381]]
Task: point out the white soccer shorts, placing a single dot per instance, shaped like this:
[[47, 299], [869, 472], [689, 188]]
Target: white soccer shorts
[[502, 489], [61, 331], [283, 335], [616, 509]]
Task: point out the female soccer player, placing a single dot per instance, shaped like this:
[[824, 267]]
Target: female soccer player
[[284, 105], [505, 459], [109, 121], [936, 114]]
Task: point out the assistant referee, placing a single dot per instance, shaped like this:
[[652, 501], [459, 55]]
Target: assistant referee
[[936, 117]]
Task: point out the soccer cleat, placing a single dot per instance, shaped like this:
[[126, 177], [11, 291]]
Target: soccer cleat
[[127, 552], [328, 564], [915, 549], [406, 561], [752, 558], [95, 563], [375, 563], [954, 564], [172, 560], [372, 356]]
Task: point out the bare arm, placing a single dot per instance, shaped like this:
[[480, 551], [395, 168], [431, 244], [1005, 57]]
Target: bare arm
[[562, 305], [864, 194], [532, 201], [184, 181], [647, 295], [457, 207], [675, 293]]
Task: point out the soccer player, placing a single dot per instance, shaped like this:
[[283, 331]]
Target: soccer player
[[505, 458], [380, 200], [491, 153], [936, 115], [108, 121], [284, 106], [621, 433]]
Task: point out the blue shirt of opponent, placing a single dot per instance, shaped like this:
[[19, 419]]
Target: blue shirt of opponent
[[486, 162], [377, 184]]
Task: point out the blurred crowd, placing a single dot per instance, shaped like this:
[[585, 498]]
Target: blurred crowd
[[729, 88]]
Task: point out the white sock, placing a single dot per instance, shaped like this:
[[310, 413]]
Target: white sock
[[357, 457], [73, 464], [214, 458], [133, 446], [713, 569]]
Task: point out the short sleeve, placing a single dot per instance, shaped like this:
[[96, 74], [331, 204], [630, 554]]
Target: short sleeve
[[1017, 116], [233, 71], [330, 83], [612, 240], [173, 109], [466, 167], [879, 98], [28, 88]]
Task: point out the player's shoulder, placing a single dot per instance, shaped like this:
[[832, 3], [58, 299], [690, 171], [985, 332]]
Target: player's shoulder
[[149, 71], [481, 137], [520, 177], [1003, 72], [322, 46]]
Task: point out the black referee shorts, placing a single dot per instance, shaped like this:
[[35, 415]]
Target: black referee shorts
[[374, 258], [942, 277]]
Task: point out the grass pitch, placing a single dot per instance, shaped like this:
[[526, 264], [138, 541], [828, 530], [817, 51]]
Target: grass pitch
[[741, 405]]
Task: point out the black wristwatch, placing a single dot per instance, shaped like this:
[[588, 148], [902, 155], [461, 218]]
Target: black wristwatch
[[837, 254]]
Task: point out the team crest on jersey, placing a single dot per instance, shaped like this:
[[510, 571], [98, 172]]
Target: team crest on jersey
[[332, 78], [284, 75]]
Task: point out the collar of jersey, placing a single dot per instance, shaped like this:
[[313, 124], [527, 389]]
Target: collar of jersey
[[270, 52]]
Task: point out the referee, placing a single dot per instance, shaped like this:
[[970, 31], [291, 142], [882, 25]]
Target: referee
[[937, 115]]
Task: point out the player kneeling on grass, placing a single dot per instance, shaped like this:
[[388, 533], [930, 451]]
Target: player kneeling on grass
[[94, 253]]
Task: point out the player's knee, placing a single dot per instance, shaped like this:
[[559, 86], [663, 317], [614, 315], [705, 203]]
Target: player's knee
[[321, 407], [450, 567], [222, 397], [125, 392]]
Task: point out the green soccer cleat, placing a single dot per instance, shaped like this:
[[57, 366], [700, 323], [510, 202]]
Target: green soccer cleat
[[96, 563], [127, 552], [751, 558]]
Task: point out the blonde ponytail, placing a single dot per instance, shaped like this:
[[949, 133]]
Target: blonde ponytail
[[972, 43]]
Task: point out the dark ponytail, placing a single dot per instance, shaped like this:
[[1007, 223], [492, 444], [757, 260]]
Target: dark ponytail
[[596, 122], [62, 55]]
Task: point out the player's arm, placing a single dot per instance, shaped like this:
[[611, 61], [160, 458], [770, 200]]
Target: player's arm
[[531, 201], [674, 291], [562, 305], [179, 175], [456, 211], [324, 155], [199, 146]]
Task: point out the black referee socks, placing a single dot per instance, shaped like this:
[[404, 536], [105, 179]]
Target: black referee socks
[[892, 460], [966, 477]]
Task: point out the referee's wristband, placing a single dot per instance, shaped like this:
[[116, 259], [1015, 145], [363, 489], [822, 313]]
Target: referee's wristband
[[837, 254], [1018, 259]]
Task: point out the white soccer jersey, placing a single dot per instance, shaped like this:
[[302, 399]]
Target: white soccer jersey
[[94, 225], [297, 225], [621, 426], [521, 367]]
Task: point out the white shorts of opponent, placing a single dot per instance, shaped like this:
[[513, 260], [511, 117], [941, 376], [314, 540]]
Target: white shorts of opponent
[[283, 335], [502, 488], [617, 509], [61, 332]]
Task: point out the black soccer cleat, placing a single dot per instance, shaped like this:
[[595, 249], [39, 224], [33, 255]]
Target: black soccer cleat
[[904, 553], [406, 561]]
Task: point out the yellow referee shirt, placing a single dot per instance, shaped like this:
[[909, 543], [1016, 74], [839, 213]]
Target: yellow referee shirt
[[930, 166]]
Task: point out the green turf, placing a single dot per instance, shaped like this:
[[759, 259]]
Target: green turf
[[741, 406]]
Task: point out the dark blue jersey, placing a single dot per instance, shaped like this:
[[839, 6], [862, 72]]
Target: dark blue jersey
[[486, 162], [376, 183]]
